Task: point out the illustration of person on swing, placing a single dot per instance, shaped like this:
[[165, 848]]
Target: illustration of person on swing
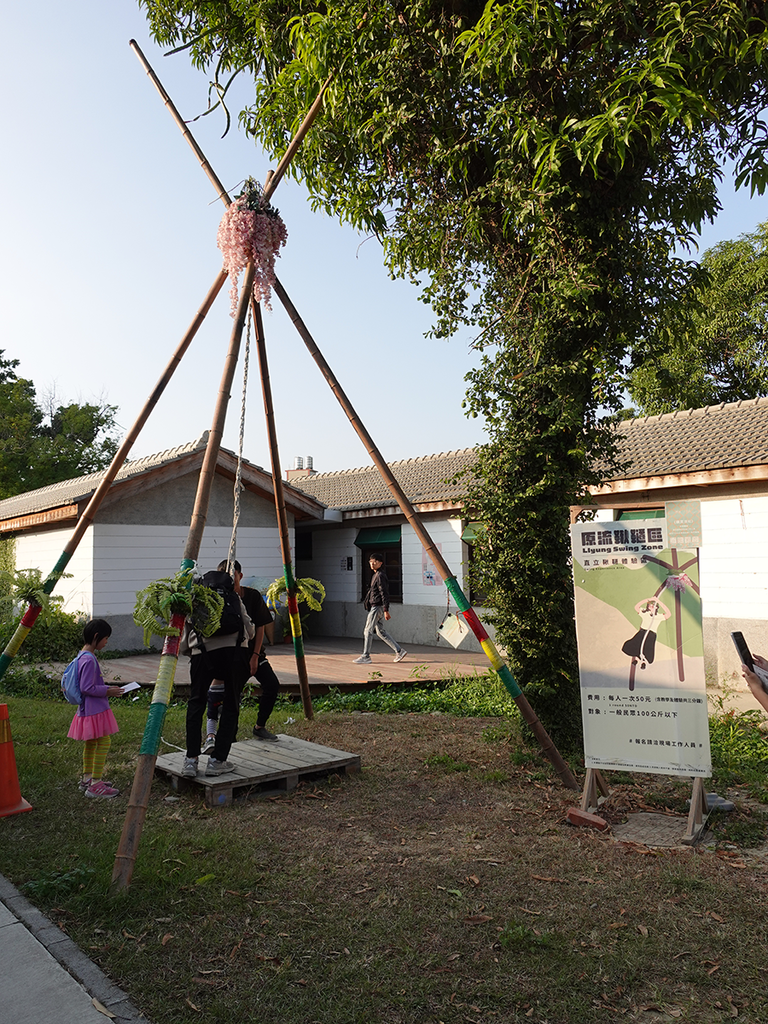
[[641, 648]]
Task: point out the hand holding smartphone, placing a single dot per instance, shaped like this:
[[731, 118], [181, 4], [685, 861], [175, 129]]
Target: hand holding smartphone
[[746, 659]]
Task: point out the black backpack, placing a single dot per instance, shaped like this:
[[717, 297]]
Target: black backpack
[[231, 614]]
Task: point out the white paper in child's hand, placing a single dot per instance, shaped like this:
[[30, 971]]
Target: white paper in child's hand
[[128, 688]]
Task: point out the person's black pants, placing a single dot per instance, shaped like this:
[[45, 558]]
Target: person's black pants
[[225, 664], [269, 684]]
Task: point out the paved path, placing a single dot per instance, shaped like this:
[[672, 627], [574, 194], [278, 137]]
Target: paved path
[[330, 662], [47, 979]]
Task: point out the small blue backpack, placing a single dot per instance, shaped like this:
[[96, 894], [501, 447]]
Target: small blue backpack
[[70, 681]]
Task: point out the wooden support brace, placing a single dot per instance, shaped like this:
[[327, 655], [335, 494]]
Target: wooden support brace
[[593, 783]]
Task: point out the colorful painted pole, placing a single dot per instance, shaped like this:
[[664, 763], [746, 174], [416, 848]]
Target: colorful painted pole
[[33, 611], [497, 662], [138, 801]]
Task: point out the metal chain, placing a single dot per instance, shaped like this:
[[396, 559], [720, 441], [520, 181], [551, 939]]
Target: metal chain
[[239, 473]]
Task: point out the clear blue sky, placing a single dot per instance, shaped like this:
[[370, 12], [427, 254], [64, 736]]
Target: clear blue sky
[[108, 247]]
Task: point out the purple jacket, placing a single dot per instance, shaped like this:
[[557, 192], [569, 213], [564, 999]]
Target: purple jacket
[[92, 685]]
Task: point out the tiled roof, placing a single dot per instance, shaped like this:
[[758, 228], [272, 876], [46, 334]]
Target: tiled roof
[[67, 492], [426, 479], [696, 440]]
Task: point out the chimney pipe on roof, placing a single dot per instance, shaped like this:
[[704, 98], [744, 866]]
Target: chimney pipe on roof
[[310, 464], [298, 462]]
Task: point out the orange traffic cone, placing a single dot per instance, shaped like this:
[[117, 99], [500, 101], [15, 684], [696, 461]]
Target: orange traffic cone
[[11, 800]]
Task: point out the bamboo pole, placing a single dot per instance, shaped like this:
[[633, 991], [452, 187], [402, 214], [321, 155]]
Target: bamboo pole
[[284, 163], [489, 648], [33, 610], [138, 802], [282, 519], [270, 184]]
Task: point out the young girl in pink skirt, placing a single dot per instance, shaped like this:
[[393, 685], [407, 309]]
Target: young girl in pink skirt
[[94, 722]]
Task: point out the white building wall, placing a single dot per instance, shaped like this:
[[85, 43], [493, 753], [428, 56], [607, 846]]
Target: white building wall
[[734, 558], [43, 550], [128, 558], [332, 549], [422, 583]]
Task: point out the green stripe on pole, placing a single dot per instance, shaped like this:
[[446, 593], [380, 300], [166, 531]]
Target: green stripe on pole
[[153, 730], [55, 574], [452, 584], [463, 605], [508, 679]]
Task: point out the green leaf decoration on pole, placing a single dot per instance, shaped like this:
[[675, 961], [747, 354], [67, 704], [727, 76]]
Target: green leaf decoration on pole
[[308, 591], [176, 595]]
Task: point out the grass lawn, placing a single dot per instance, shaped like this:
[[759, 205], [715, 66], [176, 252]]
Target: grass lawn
[[441, 884]]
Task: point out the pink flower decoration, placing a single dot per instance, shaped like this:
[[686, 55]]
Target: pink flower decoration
[[251, 234], [678, 583]]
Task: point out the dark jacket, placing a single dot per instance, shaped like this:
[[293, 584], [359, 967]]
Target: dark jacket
[[378, 592]]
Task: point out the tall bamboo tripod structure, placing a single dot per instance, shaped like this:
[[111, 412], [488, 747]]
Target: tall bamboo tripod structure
[[452, 584]]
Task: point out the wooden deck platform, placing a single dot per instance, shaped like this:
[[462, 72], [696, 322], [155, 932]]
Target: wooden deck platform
[[261, 768]]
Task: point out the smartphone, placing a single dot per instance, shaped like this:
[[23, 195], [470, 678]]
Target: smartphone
[[743, 649]]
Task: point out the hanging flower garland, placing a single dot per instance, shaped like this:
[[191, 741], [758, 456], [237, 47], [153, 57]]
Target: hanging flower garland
[[679, 582], [251, 229]]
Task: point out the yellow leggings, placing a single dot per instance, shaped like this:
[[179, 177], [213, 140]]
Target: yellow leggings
[[94, 755]]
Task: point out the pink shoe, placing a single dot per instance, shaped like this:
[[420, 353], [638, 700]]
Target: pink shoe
[[83, 784], [102, 789]]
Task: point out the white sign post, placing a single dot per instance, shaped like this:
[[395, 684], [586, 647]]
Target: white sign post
[[641, 659]]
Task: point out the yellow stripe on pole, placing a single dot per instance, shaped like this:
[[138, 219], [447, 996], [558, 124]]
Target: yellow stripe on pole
[[492, 654], [17, 640]]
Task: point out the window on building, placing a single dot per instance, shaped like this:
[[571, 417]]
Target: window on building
[[304, 546]]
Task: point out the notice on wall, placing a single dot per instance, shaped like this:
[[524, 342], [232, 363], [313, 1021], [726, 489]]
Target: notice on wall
[[683, 520], [430, 577], [641, 657]]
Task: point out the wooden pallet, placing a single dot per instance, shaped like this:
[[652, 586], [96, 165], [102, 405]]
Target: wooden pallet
[[260, 767]]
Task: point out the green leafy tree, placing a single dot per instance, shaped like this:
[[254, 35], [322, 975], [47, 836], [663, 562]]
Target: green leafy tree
[[712, 345], [42, 445], [533, 164]]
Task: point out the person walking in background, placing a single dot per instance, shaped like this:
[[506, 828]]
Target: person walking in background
[[376, 603], [94, 723]]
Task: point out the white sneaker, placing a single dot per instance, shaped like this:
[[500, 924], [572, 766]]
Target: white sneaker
[[362, 660], [218, 767], [400, 655]]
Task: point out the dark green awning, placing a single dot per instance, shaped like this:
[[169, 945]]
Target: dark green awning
[[651, 513], [472, 531], [378, 537]]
